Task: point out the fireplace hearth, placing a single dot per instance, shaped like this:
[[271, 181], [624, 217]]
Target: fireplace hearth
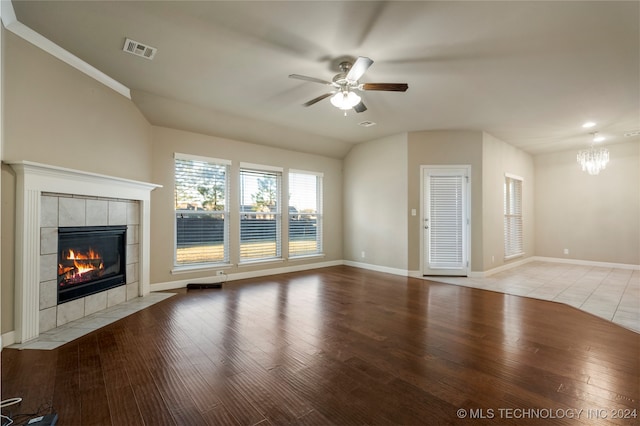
[[91, 259]]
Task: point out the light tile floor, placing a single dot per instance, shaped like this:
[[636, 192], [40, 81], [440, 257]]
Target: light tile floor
[[66, 333], [610, 293]]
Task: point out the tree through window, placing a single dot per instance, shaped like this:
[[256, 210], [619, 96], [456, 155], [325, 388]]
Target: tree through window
[[201, 210], [305, 213], [260, 214]]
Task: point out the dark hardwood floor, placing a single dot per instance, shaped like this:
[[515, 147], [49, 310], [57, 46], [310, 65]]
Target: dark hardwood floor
[[338, 346]]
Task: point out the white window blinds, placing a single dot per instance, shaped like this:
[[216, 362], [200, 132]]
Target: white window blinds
[[201, 210], [513, 239], [260, 214], [446, 214], [305, 213]]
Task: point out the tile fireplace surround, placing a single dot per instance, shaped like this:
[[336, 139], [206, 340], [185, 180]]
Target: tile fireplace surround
[[58, 210], [48, 197]]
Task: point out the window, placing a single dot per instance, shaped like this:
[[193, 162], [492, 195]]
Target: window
[[202, 210], [305, 213], [513, 244], [260, 214]]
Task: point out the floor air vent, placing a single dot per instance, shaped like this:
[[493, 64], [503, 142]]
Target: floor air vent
[[139, 49]]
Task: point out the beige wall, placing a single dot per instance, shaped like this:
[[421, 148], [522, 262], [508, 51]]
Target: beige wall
[[56, 115], [596, 217], [168, 141], [394, 241], [499, 158], [489, 159], [375, 197], [445, 148]]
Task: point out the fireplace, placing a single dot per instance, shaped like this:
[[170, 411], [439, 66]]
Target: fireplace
[[49, 197], [91, 259]]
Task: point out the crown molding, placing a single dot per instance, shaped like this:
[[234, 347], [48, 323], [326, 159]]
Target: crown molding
[[11, 23]]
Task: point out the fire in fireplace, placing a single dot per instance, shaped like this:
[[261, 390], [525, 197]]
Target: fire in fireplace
[[91, 259]]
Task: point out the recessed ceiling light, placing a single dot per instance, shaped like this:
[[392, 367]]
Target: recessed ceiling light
[[367, 123], [588, 124], [598, 138]]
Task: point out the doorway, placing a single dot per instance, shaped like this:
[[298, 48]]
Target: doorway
[[445, 220]]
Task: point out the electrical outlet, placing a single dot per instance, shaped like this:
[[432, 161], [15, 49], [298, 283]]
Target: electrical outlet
[[362, 254], [493, 259], [566, 251]]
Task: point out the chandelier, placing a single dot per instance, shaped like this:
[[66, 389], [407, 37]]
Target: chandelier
[[594, 159]]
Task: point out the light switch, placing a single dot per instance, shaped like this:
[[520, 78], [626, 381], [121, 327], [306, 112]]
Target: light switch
[[413, 212]]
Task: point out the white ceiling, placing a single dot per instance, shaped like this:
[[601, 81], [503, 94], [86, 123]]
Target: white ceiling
[[528, 72]]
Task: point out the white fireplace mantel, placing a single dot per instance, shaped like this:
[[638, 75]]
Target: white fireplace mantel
[[32, 179]]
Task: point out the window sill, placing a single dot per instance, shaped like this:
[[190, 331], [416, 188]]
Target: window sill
[[306, 257], [199, 268], [259, 262]]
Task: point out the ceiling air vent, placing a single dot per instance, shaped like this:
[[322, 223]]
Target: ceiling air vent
[[632, 134], [139, 49], [367, 123]]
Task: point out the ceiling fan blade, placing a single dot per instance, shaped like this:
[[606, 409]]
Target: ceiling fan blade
[[361, 65], [390, 87], [318, 99], [361, 107], [312, 79]]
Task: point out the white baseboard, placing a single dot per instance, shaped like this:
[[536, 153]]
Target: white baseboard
[[415, 274], [378, 268], [7, 339], [587, 263], [170, 285], [242, 275], [505, 267], [395, 271], [489, 272]]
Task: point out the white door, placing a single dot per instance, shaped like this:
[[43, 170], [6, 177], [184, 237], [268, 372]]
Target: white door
[[445, 220]]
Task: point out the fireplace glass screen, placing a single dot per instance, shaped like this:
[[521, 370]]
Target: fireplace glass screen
[[91, 259]]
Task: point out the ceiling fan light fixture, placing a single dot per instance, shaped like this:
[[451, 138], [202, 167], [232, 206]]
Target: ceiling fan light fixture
[[345, 100], [344, 84]]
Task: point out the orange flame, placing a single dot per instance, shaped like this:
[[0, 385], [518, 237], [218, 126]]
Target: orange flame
[[91, 254], [82, 262]]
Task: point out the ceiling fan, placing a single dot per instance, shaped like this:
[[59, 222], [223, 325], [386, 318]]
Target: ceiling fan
[[346, 83]]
